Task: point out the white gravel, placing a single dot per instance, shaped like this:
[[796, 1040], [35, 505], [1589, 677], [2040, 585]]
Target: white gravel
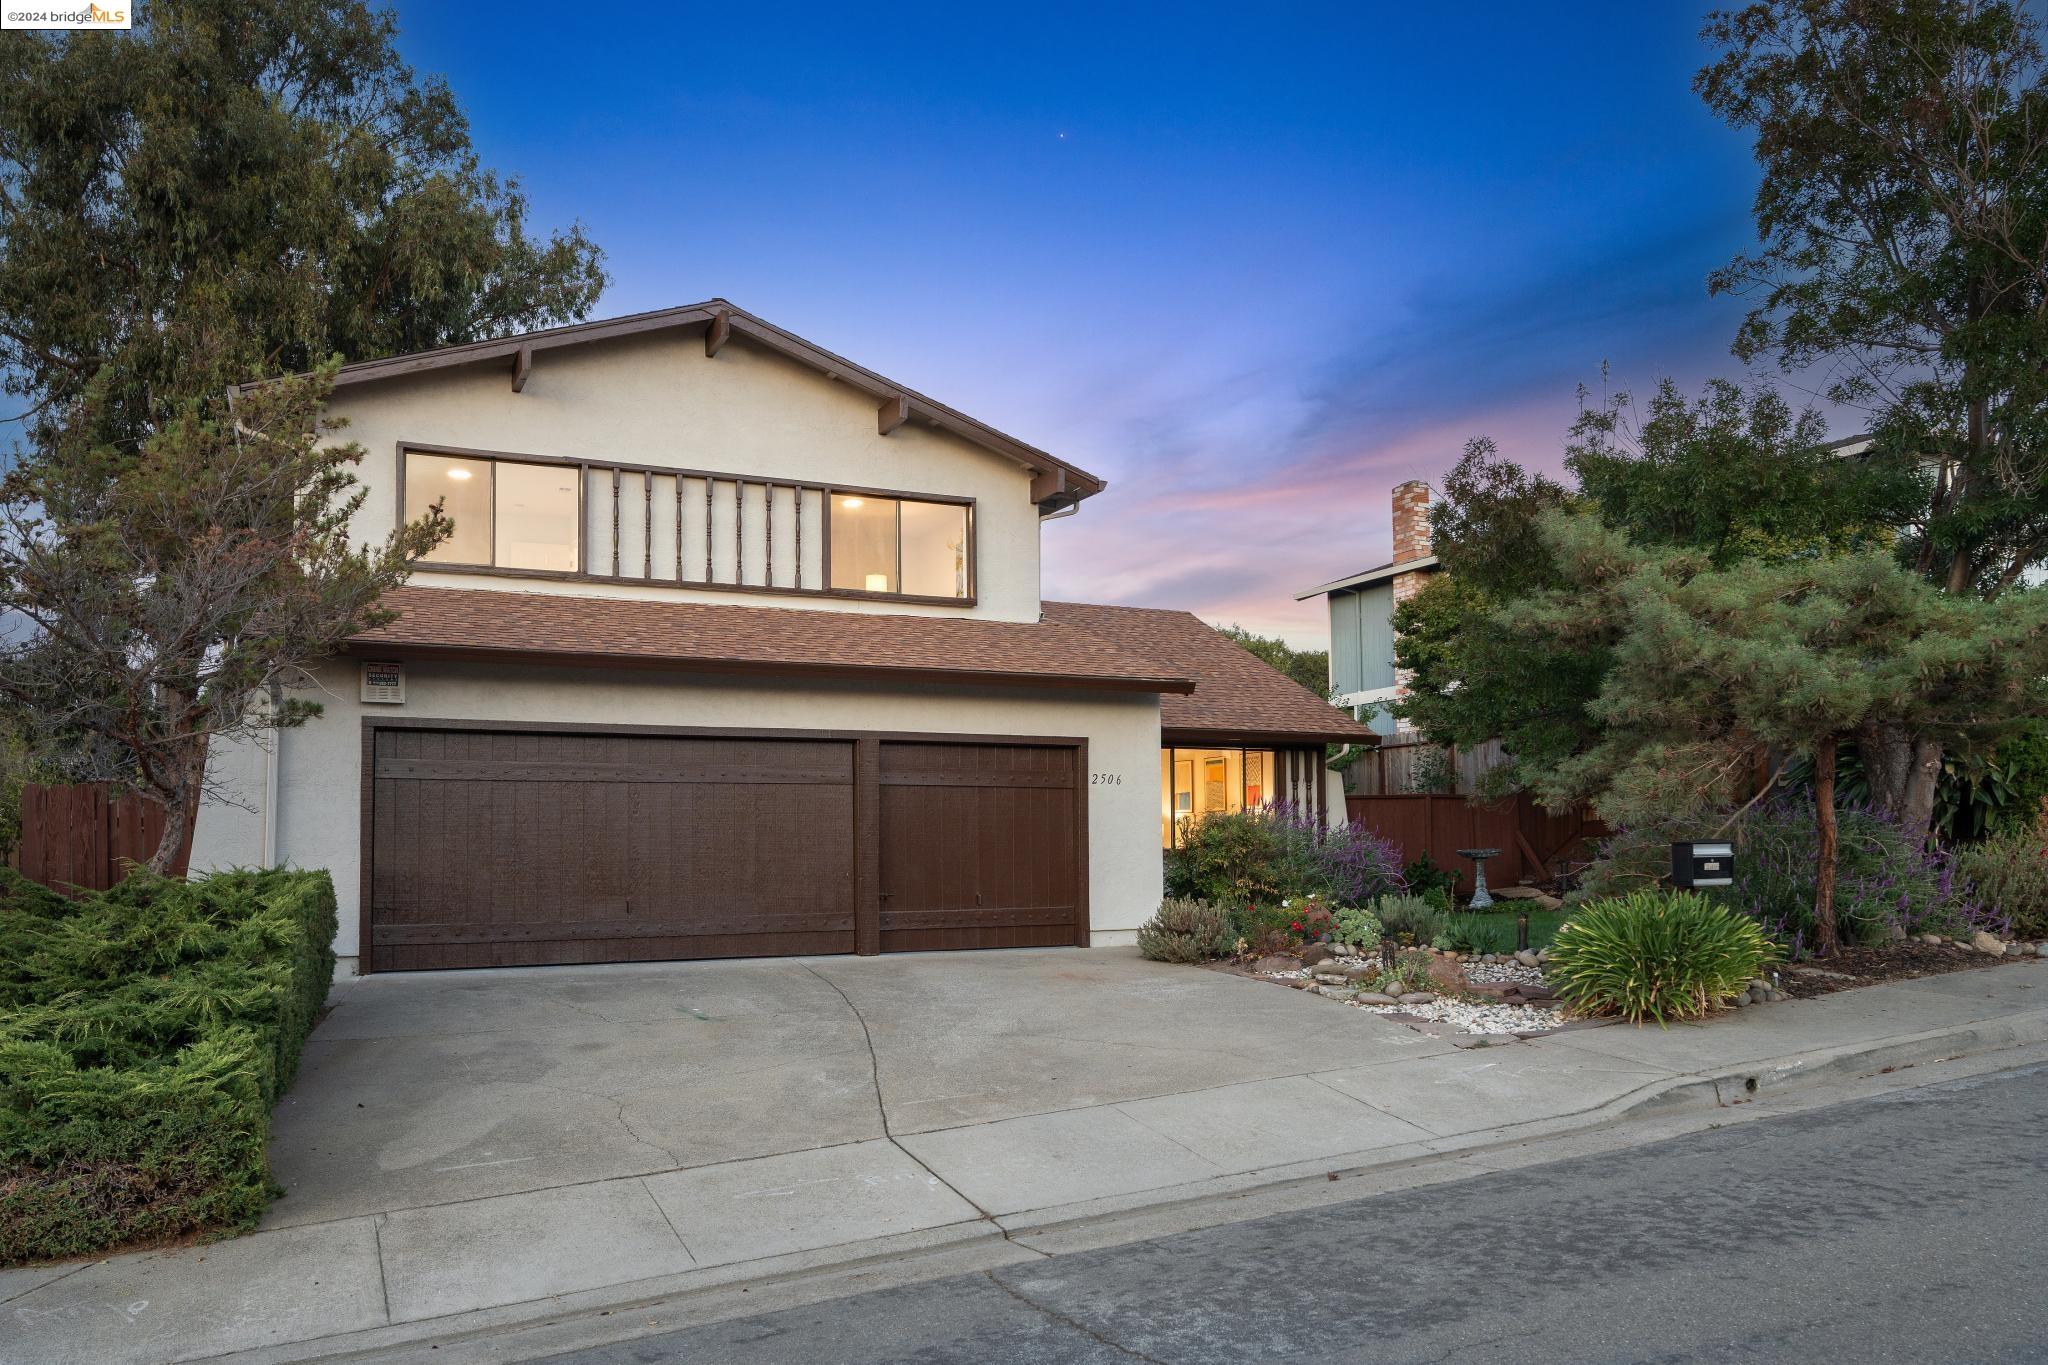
[[1499, 973], [1476, 1018]]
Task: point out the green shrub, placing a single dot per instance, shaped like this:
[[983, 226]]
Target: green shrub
[[1358, 927], [1185, 931], [1410, 920], [1275, 854], [1434, 884], [145, 1034], [1648, 955], [2010, 874]]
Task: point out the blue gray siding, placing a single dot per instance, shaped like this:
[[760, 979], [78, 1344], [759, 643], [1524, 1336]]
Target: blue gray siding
[[1362, 638]]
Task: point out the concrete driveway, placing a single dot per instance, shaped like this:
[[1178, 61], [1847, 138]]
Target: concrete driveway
[[431, 1088]]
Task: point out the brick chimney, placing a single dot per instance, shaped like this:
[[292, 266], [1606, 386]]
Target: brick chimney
[[1411, 521]]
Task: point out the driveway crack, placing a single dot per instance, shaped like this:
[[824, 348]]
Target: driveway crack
[[618, 1116], [1063, 1320], [882, 1110]]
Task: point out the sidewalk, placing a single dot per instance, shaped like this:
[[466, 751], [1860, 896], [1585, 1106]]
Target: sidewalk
[[383, 1279]]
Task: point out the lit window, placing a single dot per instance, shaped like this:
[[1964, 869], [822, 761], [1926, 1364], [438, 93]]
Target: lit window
[[506, 515], [898, 545]]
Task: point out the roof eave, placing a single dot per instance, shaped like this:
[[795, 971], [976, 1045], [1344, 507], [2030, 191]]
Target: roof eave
[[363, 647], [1372, 576]]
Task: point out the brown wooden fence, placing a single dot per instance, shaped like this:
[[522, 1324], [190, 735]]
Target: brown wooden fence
[[1389, 769], [1531, 839], [80, 836]]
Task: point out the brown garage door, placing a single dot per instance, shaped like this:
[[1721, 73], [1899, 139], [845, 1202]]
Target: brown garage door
[[980, 846], [506, 848]]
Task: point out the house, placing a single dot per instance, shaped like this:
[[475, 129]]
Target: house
[[737, 650], [1362, 672]]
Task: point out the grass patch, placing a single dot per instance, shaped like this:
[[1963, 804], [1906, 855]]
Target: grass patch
[[145, 1034]]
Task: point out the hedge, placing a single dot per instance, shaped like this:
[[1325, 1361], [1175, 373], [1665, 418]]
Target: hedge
[[145, 1034]]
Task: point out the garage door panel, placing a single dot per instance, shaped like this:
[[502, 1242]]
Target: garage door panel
[[977, 846], [499, 849]]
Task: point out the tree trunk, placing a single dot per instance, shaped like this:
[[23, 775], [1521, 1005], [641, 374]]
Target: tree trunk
[[181, 812], [1903, 773], [1824, 861], [1923, 777]]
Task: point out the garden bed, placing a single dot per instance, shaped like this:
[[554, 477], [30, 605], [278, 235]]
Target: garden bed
[[1851, 967]]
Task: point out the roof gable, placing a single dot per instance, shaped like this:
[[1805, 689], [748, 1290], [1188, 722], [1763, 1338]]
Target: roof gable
[[1056, 484]]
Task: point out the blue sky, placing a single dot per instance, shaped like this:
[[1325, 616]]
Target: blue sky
[[1253, 264]]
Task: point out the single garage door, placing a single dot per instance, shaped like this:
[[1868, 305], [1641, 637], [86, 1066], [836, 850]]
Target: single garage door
[[491, 847]]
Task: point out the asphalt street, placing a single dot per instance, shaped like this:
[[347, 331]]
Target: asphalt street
[[1908, 1227]]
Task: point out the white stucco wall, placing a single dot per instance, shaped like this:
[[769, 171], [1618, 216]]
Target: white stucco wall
[[657, 400], [319, 765]]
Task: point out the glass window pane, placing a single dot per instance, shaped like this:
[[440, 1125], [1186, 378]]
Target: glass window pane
[[1166, 798], [934, 549], [1261, 779], [536, 516], [463, 488], [864, 543]]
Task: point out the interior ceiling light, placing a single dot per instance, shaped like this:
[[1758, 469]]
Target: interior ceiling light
[[458, 473]]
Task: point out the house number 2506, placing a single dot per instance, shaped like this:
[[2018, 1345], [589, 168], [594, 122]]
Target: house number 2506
[[1105, 779]]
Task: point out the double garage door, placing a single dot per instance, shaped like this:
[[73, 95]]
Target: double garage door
[[503, 847]]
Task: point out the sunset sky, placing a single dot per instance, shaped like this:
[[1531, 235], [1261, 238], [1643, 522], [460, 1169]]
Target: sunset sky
[[1253, 264]]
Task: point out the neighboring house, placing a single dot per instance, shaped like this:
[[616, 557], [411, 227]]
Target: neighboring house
[[736, 650], [1362, 672]]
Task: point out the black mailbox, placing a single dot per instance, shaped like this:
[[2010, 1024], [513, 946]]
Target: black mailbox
[[1702, 864]]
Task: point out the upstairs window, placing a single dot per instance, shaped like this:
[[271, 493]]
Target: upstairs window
[[507, 515], [900, 546]]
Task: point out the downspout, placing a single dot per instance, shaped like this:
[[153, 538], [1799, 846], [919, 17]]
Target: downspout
[[276, 700]]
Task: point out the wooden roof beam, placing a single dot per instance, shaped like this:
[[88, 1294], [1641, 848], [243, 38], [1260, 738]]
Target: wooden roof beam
[[893, 413], [1047, 484], [522, 367], [717, 334]]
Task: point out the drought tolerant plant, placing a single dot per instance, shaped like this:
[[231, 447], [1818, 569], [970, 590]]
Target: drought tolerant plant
[[1410, 920], [1279, 853], [1359, 927], [2010, 874], [1470, 933], [1410, 972], [1184, 930], [1648, 955]]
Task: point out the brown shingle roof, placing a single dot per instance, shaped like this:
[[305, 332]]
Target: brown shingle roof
[[614, 632], [1236, 693]]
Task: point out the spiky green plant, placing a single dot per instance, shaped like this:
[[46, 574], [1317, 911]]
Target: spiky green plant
[[1652, 955]]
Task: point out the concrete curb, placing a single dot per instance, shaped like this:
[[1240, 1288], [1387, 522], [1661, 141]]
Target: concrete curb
[[1008, 1239]]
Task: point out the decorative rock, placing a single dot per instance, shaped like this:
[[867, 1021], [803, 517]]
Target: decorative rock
[[1418, 998], [1549, 903], [1373, 998], [1267, 966], [1536, 991], [1984, 941], [1739, 1000], [1527, 958], [1517, 893], [2041, 950], [1895, 932], [1930, 938], [1759, 986], [1363, 971], [1314, 953]]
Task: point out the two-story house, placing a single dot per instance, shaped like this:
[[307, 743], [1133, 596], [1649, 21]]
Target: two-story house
[[737, 649], [1362, 673]]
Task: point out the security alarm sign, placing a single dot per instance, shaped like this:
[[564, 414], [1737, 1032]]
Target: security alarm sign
[[384, 682]]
